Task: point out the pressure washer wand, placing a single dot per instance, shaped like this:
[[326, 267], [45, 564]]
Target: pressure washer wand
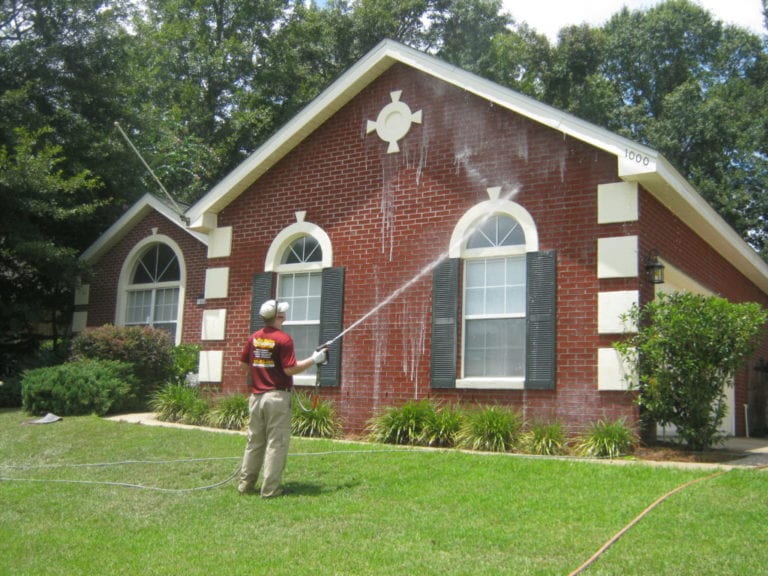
[[327, 347]]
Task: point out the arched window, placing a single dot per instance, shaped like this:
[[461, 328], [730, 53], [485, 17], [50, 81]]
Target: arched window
[[152, 289], [300, 283], [494, 300]]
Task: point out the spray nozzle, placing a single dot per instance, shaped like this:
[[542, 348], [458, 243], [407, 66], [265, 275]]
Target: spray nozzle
[[325, 347]]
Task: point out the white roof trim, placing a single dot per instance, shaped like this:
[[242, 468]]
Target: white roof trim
[[127, 221], [636, 162]]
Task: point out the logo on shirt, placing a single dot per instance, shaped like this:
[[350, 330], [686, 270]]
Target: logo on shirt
[[262, 353]]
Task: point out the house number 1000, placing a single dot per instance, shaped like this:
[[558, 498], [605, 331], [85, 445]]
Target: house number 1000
[[631, 155]]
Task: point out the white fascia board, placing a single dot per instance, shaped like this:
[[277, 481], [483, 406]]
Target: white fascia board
[[129, 219], [669, 187]]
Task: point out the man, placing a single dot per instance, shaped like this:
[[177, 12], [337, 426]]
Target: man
[[270, 359]]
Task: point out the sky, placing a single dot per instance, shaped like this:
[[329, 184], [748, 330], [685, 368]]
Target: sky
[[549, 16]]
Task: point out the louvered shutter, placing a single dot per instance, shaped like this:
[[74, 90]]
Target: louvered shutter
[[261, 291], [445, 298], [540, 364], [331, 318]]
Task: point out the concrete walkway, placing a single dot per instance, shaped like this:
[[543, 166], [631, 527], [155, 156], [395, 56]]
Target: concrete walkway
[[756, 449]]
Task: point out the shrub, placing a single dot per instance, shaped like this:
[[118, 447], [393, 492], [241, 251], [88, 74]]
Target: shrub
[[545, 439], [314, 419], [185, 361], [179, 403], [229, 412], [76, 388], [441, 427], [685, 352], [401, 425], [491, 428], [607, 440], [15, 360], [148, 350]]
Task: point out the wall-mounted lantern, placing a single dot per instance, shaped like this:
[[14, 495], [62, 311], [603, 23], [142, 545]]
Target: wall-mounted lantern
[[654, 269]]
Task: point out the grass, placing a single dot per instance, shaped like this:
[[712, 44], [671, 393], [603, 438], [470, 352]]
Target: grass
[[355, 509]]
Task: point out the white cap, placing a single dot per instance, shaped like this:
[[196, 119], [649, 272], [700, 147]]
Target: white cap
[[267, 310]]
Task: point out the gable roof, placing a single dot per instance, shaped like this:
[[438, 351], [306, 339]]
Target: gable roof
[[636, 162], [133, 216]]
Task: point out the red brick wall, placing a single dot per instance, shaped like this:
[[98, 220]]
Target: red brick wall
[[390, 215], [106, 274]]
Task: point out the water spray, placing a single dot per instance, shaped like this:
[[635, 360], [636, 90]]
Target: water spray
[[423, 272]]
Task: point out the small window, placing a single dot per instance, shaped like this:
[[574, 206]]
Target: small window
[[305, 249]]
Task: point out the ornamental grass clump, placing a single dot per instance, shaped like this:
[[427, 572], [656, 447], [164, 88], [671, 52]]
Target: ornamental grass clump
[[545, 439], [403, 424], [179, 403], [441, 427], [314, 418], [229, 412], [607, 440], [491, 429]]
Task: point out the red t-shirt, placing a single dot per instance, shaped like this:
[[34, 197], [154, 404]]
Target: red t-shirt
[[268, 352]]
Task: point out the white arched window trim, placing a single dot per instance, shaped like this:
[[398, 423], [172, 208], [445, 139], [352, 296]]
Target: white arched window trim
[[287, 236], [468, 223], [125, 278]]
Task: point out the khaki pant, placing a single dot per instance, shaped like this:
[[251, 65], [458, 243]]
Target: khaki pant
[[269, 433]]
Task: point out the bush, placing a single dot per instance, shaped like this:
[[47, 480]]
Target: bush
[[441, 427], [545, 439], [685, 353], [401, 425], [314, 419], [229, 412], [148, 350], [492, 428], [185, 362], [20, 359], [179, 403], [77, 388], [607, 440]]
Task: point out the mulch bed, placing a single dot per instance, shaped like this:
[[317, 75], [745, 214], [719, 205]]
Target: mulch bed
[[672, 453]]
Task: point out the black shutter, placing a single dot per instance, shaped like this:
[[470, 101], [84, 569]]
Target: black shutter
[[331, 317], [261, 291], [540, 362], [445, 299]]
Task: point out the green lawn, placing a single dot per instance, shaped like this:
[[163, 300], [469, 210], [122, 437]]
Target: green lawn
[[355, 509]]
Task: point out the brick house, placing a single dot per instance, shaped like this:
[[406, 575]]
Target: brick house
[[467, 243]]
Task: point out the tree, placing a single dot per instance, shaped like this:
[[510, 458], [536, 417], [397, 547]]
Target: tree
[[687, 349], [41, 204]]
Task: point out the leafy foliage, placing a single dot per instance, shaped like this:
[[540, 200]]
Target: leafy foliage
[[180, 403], [441, 427], [76, 388], [150, 351], [402, 425], [490, 428], [686, 352], [229, 412], [606, 440], [545, 439], [314, 419]]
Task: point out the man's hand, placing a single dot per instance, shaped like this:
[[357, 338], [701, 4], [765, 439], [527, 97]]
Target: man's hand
[[320, 356]]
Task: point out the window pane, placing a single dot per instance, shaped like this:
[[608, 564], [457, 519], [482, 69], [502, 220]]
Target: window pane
[[302, 292], [166, 305], [495, 348], [305, 249], [158, 264], [499, 230], [305, 339], [139, 308]]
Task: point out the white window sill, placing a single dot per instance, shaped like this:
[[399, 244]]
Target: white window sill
[[491, 383]]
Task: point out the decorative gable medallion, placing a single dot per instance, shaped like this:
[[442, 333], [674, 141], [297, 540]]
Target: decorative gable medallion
[[394, 121]]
